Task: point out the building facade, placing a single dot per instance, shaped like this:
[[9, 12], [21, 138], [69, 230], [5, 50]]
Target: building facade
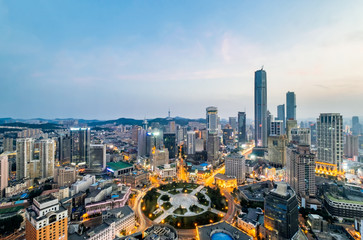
[[329, 143], [242, 135], [290, 106], [261, 126], [236, 167]]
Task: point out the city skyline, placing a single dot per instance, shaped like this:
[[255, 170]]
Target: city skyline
[[138, 60]]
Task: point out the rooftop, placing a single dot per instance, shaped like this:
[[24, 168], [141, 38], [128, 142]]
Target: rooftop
[[118, 165], [206, 232]]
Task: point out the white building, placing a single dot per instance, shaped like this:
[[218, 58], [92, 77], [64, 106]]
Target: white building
[[46, 157], [166, 171], [191, 142], [330, 142], [277, 128], [82, 185]]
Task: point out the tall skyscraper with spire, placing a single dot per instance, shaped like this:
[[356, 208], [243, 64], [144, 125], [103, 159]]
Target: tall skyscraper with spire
[[261, 108]]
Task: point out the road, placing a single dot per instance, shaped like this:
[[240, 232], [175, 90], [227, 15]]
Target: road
[[143, 221]]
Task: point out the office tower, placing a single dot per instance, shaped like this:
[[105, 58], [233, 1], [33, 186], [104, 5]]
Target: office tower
[[242, 135], [300, 170], [180, 135], [290, 124], [8, 144], [236, 167], [228, 136], [154, 140], [277, 150], [356, 127], [313, 133], [290, 106], [46, 157], [276, 128], [281, 213], [261, 126], [64, 149], [65, 176], [212, 148], [212, 119], [233, 123], [97, 157], [281, 114], [269, 120], [135, 133], [330, 143], [141, 142], [301, 136], [190, 142], [4, 173], [80, 144], [351, 146], [46, 219], [24, 155], [170, 144]]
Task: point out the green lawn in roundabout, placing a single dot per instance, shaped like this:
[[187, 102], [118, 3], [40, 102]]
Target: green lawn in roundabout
[[192, 221]]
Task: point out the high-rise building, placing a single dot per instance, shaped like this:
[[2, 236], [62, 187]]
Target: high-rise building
[[228, 136], [46, 157], [290, 106], [65, 176], [356, 127], [8, 144], [290, 124], [236, 167], [97, 157], [64, 149], [281, 114], [276, 128], [351, 146], [190, 142], [281, 213], [212, 119], [300, 170], [80, 145], [242, 135], [170, 144], [233, 123], [141, 142], [277, 150], [213, 148], [172, 127], [261, 126], [330, 143], [46, 219], [301, 136], [4, 173], [24, 155], [159, 157]]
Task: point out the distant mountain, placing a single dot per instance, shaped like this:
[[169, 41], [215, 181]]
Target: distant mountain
[[162, 121]]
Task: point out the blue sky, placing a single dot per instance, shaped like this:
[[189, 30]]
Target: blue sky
[[110, 59]]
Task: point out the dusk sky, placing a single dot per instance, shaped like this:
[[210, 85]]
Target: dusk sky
[[111, 59]]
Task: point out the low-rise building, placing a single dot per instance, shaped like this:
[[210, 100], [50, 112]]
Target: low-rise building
[[225, 181], [124, 219], [136, 178], [160, 231], [166, 171], [119, 168], [83, 185], [221, 230]]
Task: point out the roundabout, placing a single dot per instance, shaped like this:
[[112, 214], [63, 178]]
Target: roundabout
[[182, 205]]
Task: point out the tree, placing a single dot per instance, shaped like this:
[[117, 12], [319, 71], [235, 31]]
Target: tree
[[9, 225]]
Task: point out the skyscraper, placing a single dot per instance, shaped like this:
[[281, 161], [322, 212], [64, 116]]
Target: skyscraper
[[329, 143], [80, 145], [46, 157], [233, 123], [236, 167], [64, 149], [190, 142], [281, 113], [261, 108], [24, 155], [351, 146], [281, 213], [213, 148], [242, 136], [300, 170], [4, 173], [212, 119], [290, 106], [356, 127], [170, 144], [97, 157]]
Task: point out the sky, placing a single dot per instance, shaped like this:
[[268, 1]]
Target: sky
[[112, 59]]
